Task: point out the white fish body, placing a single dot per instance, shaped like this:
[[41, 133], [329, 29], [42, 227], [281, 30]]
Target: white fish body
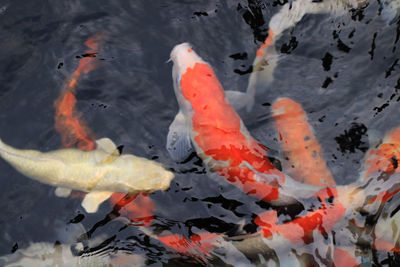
[[101, 171]]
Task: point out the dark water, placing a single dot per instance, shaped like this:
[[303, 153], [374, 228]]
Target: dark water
[[343, 70]]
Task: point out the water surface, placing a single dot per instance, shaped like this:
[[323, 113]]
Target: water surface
[[343, 70]]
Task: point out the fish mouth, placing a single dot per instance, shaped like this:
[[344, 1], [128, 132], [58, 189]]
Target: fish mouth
[[167, 177]]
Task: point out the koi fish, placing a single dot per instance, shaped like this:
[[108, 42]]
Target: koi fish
[[304, 161], [100, 172], [68, 122], [288, 16], [207, 120], [137, 208], [385, 157]]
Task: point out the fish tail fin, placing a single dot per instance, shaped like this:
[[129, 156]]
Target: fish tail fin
[[264, 66]]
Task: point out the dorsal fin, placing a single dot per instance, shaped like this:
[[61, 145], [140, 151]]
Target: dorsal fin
[[107, 145], [106, 151]]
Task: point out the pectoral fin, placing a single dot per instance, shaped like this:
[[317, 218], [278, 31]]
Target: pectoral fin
[[92, 200], [178, 139], [62, 192], [239, 100]]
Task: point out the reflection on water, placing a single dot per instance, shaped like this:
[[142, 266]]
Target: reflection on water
[[342, 69]]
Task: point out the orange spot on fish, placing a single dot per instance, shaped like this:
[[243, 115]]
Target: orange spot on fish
[[267, 42], [386, 157], [383, 196], [198, 244], [343, 258], [301, 228], [189, 50], [382, 244], [137, 208]]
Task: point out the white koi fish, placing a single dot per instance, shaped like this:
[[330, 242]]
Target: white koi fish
[[288, 16], [100, 172]]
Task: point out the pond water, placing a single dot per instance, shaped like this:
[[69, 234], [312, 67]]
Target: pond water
[[343, 70]]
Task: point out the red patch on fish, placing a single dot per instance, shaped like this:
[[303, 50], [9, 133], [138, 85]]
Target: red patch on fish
[[343, 258], [201, 243], [301, 228], [137, 208], [267, 43]]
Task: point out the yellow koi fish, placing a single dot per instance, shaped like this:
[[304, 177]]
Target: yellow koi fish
[[100, 172]]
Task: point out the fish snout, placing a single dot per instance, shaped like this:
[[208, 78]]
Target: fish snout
[[184, 57], [160, 177], [167, 177]]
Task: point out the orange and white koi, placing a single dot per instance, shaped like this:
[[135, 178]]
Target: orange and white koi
[[385, 157], [208, 121]]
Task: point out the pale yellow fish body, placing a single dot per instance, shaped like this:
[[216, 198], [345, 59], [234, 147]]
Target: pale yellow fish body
[[102, 171]]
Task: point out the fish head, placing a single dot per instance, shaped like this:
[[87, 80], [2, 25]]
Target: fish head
[[188, 73], [196, 86], [142, 175], [183, 57]]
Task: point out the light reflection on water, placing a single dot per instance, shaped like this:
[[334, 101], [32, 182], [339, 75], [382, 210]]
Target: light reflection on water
[[40, 42]]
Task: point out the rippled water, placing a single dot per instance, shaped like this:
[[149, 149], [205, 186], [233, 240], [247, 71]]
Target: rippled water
[[343, 70]]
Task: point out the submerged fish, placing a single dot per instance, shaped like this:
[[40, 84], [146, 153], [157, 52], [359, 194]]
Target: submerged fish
[[303, 154], [70, 253], [207, 120], [100, 172], [288, 16], [48, 254]]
